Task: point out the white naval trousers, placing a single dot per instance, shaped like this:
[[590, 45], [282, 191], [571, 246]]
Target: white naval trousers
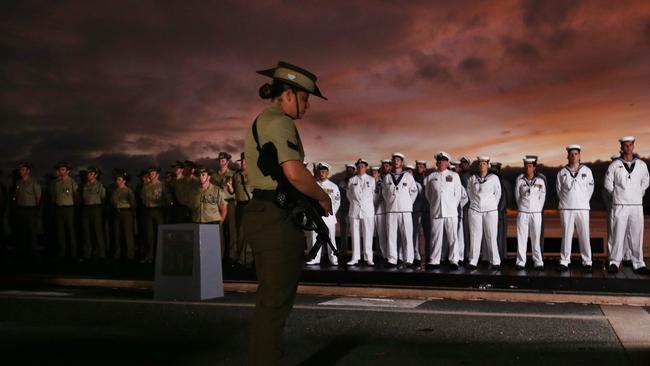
[[439, 228], [460, 238], [627, 221], [311, 240], [483, 224], [529, 224], [401, 222], [362, 228], [417, 221], [382, 234], [627, 256], [578, 219]]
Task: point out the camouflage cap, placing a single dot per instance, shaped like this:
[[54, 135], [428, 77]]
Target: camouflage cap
[[294, 76]]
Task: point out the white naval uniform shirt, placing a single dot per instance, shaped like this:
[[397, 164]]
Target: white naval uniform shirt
[[484, 193], [530, 194], [399, 192], [574, 189], [444, 192], [360, 193], [627, 182], [332, 190]]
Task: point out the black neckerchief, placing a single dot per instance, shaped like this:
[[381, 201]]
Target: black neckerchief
[[571, 173], [532, 181], [630, 168], [396, 181], [482, 180]]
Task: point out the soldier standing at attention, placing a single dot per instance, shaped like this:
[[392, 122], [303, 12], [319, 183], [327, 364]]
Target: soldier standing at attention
[[154, 199], [277, 242], [183, 190], [484, 192], [123, 205], [627, 180], [209, 204], [176, 176], [93, 195], [26, 201], [64, 196], [360, 192], [574, 186], [243, 195], [332, 190], [399, 193], [530, 194], [222, 178]]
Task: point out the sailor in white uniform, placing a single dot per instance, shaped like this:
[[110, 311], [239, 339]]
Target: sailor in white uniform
[[627, 180], [381, 226], [421, 212], [462, 204], [443, 191], [332, 190], [484, 191], [399, 192], [530, 195], [574, 186], [360, 192]]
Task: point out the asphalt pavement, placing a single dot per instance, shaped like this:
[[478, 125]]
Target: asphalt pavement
[[94, 326]]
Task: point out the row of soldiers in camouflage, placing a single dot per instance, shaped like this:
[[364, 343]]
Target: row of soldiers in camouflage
[[190, 194], [463, 214]]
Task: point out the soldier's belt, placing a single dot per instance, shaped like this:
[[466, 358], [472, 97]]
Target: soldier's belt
[[264, 194]]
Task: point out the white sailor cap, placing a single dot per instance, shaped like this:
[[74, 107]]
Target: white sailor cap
[[351, 166], [480, 158], [573, 147], [466, 159], [534, 157], [455, 162], [626, 139], [409, 166], [361, 161], [496, 164], [375, 167], [423, 162], [323, 165], [386, 161], [442, 155], [398, 154], [451, 166], [529, 160]]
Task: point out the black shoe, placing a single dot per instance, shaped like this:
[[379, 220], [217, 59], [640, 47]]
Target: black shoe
[[519, 268], [562, 268], [390, 265], [416, 263], [471, 267], [587, 269], [496, 267], [642, 271], [539, 268], [453, 267], [612, 269], [432, 267]]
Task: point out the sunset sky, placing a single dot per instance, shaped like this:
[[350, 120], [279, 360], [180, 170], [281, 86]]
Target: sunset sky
[[133, 83]]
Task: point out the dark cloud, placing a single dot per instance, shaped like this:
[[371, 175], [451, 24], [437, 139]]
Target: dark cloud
[[520, 51], [646, 31], [538, 14], [474, 67], [434, 67]]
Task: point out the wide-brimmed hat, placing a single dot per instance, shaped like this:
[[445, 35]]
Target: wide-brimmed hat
[[94, 169], [224, 155], [63, 164], [294, 76], [198, 169], [25, 164], [120, 173], [177, 164], [189, 164], [153, 168]]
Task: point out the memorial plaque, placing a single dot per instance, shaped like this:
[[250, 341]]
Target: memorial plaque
[[178, 252]]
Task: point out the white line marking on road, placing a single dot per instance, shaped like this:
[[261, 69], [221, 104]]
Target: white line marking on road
[[373, 302]]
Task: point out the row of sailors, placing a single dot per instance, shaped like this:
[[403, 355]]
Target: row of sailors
[[193, 194], [392, 203]]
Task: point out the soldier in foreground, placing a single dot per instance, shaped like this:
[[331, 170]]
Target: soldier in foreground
[[273, 143]]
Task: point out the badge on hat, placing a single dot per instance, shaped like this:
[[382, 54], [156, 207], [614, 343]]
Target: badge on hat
[[294, 76]]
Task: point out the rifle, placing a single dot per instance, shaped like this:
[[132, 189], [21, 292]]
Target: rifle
[[304, 211]]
